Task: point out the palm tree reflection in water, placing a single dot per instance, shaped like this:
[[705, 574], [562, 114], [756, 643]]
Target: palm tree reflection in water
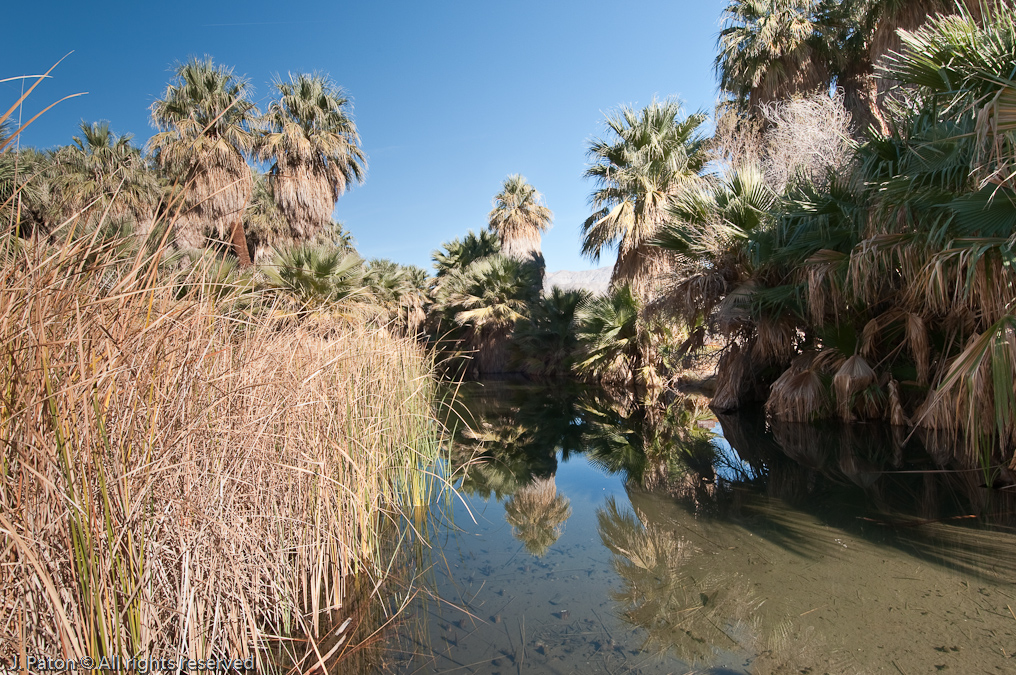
[[694, 617], [537, 514]]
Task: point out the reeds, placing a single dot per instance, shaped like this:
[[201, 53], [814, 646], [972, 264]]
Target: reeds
[[183, 476]]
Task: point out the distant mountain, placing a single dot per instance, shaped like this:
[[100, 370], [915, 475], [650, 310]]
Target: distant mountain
[[595, 281]]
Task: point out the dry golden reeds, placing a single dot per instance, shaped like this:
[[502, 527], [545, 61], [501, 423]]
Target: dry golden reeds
[[184, 477]]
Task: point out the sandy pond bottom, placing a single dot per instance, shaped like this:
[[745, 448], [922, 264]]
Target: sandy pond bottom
[[650, 582]]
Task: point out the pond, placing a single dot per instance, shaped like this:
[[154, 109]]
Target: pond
[[591, 534]]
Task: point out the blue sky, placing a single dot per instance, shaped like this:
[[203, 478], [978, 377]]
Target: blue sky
[[450, 97]]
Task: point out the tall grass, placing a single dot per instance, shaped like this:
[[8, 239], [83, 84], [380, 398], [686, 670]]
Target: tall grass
[[185, 473]]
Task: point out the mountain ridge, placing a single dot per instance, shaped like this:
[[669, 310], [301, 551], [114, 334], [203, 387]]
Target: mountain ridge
[[595, 281]]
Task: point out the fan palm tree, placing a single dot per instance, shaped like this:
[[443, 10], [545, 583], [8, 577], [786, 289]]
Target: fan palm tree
[[401, 290], [487, 298], [614, 342], [888, 291], [709, 229], [314, 277], [106, 175], [457, 254], [206, 128], [958, 173], [653, 154], [518, 218], [771, 50], [26, 191], [545, 342], [882, 20], [863, 32], [315, 146]]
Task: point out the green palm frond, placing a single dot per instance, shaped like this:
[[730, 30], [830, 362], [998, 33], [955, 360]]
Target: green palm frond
[[315, 277], [545, 342], [458, 254], [494, 291]]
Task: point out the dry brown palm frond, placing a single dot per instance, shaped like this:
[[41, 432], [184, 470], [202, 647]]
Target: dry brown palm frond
[[690, 293], [775, 341], [733, 312], [798, 396], [869, 338], [827, 361], [996, 122], [305, 193], [939, 444], [823, 291], [853, 377], [817, 294], [961, 279], [917, 339], [731, 379], [977, 395], [878, 262], [897, 417], [217, 196], [644, 268]]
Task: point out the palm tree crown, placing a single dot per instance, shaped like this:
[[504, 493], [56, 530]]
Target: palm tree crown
[[206, 128], [457, 254], [314, 143], [653, 155], [770, 50], [519, 217], [104, 173]]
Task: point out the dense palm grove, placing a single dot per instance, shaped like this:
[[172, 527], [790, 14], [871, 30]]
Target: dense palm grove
[[844, 240], [841, 238]]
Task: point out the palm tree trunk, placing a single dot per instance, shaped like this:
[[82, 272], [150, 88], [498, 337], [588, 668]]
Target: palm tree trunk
[[636, 370], [240, 242], [860, 98]]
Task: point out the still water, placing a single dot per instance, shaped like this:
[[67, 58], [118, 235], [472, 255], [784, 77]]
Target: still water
[[591, 535]]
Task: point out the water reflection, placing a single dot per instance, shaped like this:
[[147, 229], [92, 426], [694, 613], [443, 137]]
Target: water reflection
[[537, 514], [767, 548], [693, 617]]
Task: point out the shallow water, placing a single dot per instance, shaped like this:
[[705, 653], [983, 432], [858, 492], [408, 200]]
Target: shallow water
[[596, 536]]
